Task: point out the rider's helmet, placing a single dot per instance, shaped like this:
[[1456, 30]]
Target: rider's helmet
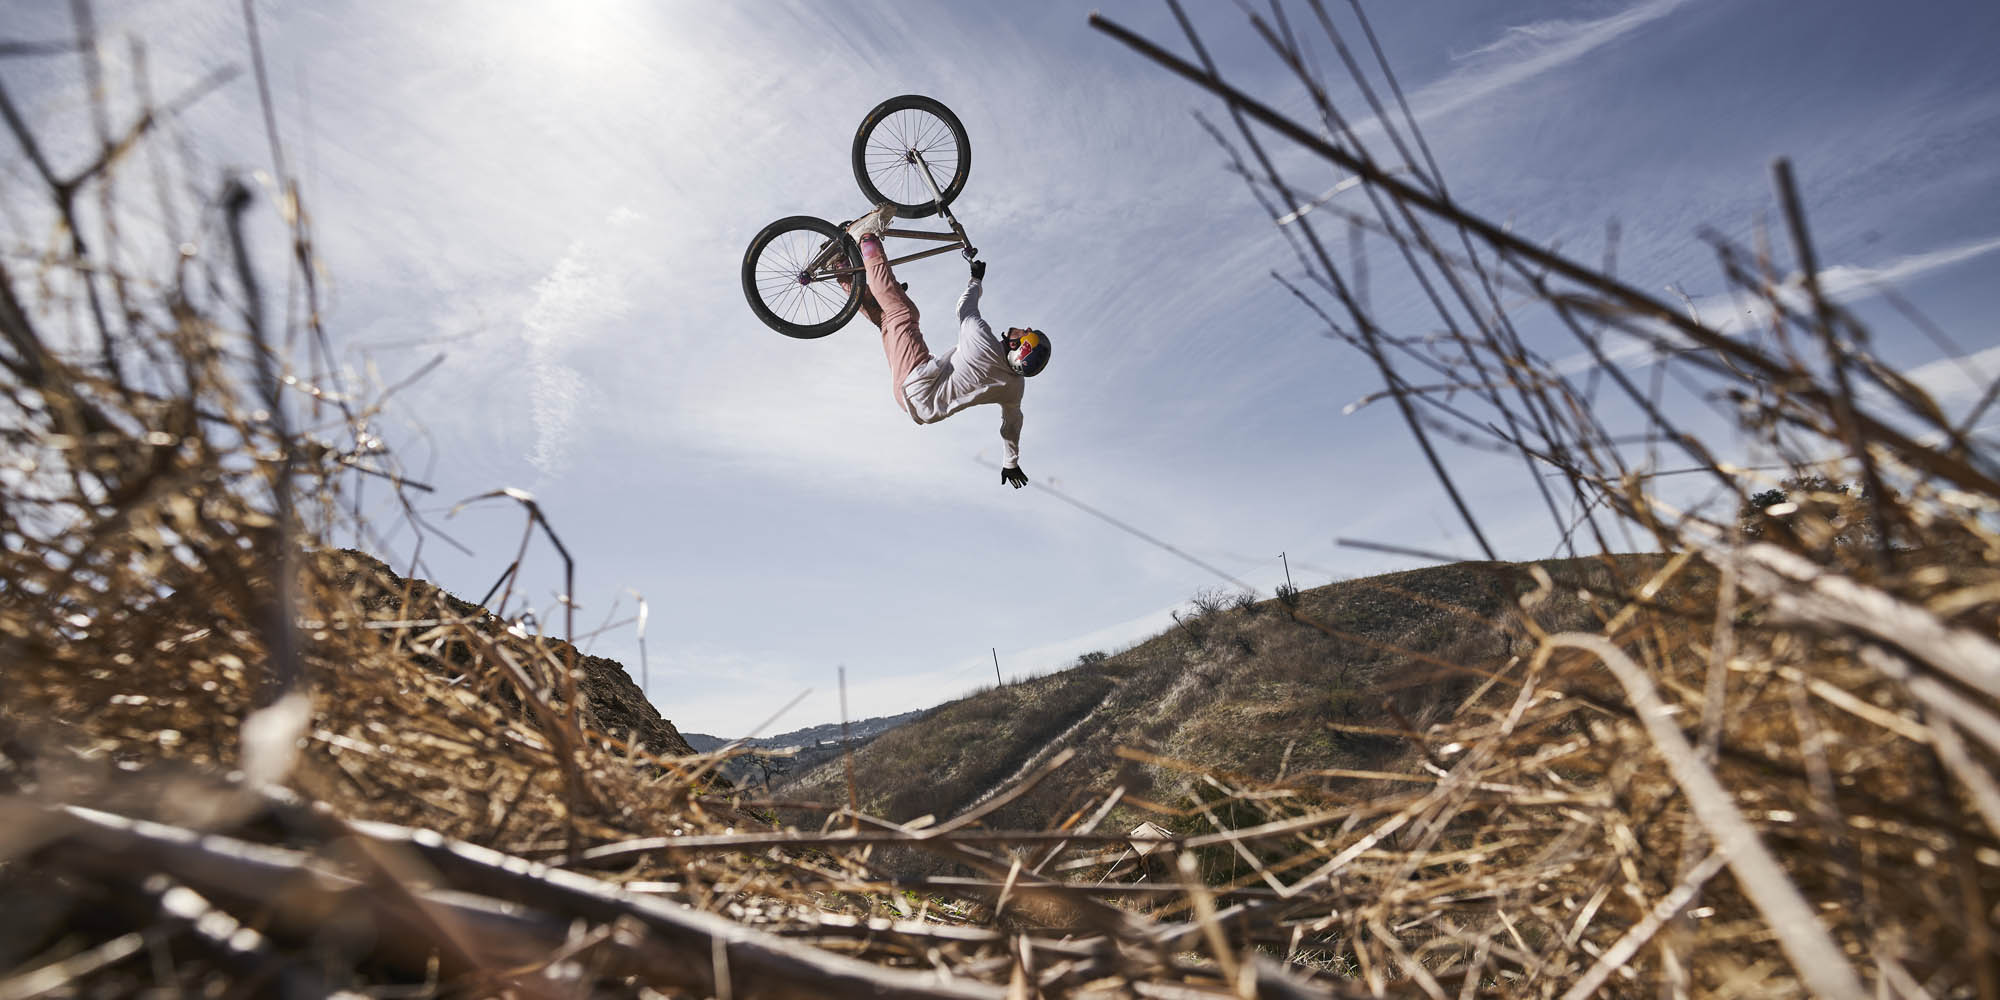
[[1029, 354]]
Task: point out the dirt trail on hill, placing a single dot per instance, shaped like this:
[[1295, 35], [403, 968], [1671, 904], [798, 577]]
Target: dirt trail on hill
[[1048, 750], [1189, 674]]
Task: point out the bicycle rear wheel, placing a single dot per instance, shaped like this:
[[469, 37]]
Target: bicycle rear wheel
[[887, 147], [791, 272]]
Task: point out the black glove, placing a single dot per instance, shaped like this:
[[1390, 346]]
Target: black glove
[[1013, 476], [979, 270]]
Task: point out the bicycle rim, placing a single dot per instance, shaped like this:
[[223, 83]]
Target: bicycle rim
[[792, 293], [896, 148]]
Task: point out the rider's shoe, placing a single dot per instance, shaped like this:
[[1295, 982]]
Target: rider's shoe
[[874, 222]]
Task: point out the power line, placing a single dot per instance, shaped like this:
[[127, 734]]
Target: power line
[[1124, 527]]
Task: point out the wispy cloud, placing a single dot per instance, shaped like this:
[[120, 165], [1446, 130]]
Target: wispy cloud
[[582, 293], [1843, 283], [1523, 52], [1840, 283]]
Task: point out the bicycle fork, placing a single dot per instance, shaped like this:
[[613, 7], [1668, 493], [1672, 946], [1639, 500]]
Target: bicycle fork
[[957, 230]]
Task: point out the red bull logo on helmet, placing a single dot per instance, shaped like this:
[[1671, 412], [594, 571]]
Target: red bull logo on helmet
[[1030, 354]]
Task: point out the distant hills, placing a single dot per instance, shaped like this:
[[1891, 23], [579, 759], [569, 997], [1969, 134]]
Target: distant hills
[[797, 751]]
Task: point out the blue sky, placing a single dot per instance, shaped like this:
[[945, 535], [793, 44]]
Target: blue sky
[[555, 197]]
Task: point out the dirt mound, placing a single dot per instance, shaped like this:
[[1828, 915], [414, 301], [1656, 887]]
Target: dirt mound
[[612, 703]]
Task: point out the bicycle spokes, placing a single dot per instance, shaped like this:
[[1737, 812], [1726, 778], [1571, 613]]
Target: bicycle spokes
[[897, 151], [797, 277]]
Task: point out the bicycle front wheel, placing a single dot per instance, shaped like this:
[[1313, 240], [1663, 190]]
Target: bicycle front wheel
[[898, 141], [792, 273]]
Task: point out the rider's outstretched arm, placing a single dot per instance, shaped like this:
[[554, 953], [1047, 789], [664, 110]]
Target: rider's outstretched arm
[[968, 303], [1010, 435]]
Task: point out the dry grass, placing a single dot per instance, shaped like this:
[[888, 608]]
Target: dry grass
[[1763, 768]]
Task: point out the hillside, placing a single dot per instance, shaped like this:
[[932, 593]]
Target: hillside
[[1244, 688]]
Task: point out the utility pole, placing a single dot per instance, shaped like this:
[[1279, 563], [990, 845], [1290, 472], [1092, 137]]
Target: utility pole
[[847, 757], [1288, 571], [645, 668], [997, 682]]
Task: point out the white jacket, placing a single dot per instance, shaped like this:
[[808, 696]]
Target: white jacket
[[971, 372]]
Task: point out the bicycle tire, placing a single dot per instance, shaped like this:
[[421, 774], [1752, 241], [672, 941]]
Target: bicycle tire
[[890, 172], [779, 289]]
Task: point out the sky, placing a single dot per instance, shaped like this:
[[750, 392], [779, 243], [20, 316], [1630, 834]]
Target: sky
[[548, 200]]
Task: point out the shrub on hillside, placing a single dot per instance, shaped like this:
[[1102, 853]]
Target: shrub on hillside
[[1209, 601], [1812, 515]]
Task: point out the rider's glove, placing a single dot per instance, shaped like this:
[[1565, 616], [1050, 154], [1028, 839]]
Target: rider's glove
[[979, 270], [1013, 476]]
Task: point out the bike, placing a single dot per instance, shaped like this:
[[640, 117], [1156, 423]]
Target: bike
[[907, 148]]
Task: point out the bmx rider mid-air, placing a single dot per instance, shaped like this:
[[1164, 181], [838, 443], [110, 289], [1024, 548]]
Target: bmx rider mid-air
[[983, 367]]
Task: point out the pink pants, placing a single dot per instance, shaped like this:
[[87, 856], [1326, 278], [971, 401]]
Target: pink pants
[[901, 340]]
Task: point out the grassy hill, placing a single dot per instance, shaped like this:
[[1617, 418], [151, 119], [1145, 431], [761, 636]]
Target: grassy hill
[[1254, 688]]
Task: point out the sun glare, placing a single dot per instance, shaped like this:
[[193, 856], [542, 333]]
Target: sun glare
[[577, 41]]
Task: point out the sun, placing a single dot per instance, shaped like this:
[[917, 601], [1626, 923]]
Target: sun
[[575, 42]]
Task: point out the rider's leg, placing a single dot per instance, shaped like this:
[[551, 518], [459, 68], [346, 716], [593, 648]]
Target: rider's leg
[[869, 308], [902, 341]]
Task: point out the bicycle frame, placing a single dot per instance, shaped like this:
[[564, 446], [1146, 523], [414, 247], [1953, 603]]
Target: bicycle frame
[[954, 240]]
